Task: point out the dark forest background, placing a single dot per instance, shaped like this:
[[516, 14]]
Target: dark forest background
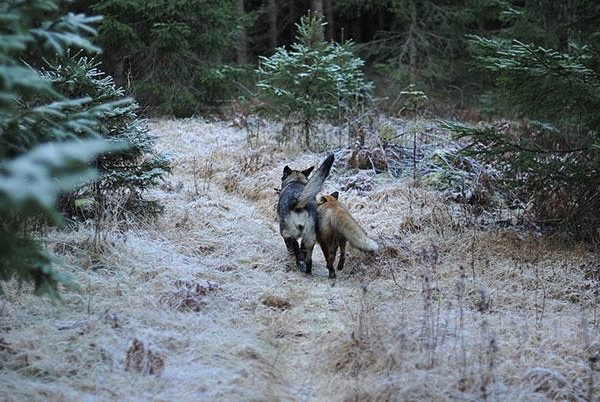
[[189, 56]]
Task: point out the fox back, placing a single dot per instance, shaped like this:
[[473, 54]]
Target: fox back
[[295, 218], [335, 222]]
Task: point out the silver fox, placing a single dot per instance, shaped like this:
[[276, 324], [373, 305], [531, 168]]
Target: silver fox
[[297, 211]]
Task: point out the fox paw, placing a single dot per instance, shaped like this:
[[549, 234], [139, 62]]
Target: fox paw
[[301, 265]]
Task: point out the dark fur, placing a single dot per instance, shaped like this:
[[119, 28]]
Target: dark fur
[[297, 211]]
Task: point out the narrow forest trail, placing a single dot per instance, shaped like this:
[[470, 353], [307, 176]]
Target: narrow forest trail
[[203, 303], [279, 321]]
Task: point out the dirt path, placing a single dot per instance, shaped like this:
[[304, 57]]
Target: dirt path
[[278, 321], [408, 325]]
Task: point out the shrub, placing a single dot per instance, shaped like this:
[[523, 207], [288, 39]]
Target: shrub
[[127, 173], [42, 152], [551, 158], [314, 80]]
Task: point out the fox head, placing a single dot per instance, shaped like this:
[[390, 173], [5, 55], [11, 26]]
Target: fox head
[[322, 199], [290, 175]]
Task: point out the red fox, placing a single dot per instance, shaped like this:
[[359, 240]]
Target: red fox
[[335, 227]]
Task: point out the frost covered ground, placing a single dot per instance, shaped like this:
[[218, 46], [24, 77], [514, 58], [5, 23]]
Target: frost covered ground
[[203, 304]]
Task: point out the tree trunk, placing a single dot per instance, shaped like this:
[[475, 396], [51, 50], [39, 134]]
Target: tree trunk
[[272, 24], [317, 10], [307, 133], [317, 7], [381, 26], [356, 30], [412, 42], [241, 51], [329, 28]]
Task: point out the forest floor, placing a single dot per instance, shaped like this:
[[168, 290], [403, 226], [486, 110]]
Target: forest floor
[[203, 304]]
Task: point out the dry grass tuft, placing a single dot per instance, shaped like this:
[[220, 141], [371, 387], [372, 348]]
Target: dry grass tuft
[[374, 159], [143, 360], [276, 302], [554, 385], [187, 295]]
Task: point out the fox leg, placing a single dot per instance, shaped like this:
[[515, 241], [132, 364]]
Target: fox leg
[[329, 253], [330, 261], [292, 246], [307, 250], [326, 251], [289, 244], [340, 265]]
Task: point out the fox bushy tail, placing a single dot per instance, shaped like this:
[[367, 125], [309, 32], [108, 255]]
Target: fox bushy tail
[[315, 183], [355, 235]]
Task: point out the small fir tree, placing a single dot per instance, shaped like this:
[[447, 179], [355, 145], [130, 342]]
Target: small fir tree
[[312, 81], [125, 174]]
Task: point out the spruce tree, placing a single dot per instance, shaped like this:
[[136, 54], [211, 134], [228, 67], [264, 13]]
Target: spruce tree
[[314, 80], [46, 138], [172, 55], [126, 174], [550, 158]]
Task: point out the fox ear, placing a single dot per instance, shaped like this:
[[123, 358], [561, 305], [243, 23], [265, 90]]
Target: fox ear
[[286, 171], [307, 171], [335, 195]]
